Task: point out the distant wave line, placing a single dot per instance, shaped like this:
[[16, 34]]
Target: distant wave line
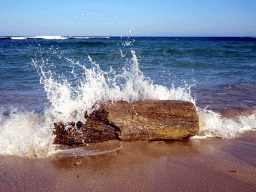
[[49, 37]]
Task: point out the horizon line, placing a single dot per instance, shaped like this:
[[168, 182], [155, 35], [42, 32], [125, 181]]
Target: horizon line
[[107, 36]]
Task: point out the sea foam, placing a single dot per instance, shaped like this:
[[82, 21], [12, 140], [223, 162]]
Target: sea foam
[[24, 133], [213, 124]]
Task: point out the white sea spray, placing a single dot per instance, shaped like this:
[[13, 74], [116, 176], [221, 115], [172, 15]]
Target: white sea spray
[[96, 85]]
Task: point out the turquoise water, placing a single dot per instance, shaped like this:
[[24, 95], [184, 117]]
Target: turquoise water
[[43, 80]]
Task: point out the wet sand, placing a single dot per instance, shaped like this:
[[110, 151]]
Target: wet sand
[[211, 164]]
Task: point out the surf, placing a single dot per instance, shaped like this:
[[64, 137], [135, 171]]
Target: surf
[[71, 93]]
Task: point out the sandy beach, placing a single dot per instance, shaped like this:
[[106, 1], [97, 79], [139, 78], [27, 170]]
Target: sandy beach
[[211, 164]]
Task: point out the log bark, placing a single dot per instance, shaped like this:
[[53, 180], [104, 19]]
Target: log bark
[[153, 120], [95, 129], [140, 120]]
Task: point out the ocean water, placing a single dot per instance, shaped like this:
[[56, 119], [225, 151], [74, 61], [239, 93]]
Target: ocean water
[[46, 79]]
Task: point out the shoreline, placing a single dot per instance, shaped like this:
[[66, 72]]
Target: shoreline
[[189, 165]]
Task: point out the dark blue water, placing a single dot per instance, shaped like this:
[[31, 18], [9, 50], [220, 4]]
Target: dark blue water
[[221, 70], [39, 75]]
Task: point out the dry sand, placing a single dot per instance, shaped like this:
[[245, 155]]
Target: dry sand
[[211, 164]]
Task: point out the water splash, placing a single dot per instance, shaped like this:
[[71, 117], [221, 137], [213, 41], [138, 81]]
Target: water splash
[[95, 85]]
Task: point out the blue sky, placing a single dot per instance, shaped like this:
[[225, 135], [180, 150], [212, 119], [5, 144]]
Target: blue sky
[[128, 18]]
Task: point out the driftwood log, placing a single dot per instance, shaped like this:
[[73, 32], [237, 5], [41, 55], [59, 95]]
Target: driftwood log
[[140, 120]]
